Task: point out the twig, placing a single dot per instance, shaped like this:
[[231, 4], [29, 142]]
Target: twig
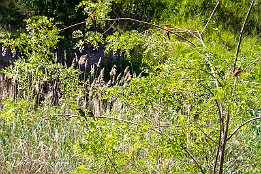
[[206, 134], [147, 23], [111, 118], [70, 115], [126, 121], [134, 20], [212, 71], [65, 115], [194, 159], [241, 34], [199, 37], [217, 153], [258, 59], [243, 124], [210, 17], [213, 75], [108, 28], [71, 26], [112, 164]]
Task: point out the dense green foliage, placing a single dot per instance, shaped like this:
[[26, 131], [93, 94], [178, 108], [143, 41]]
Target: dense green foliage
[[186, 112]]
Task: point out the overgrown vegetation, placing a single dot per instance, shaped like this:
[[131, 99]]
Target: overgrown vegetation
[[187, 104]]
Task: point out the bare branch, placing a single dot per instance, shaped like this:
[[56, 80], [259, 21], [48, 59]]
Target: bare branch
[[217, 153], [154, 25], [113, 164], [194, 159], [62, 115], [241, 34], [111, 118], [212, 68], [74, 25], [252, 63], [223, 144], [126, 121], [109, 28], [243, 124], [69, 115], [206, 135], [210, 17], [134, 20]]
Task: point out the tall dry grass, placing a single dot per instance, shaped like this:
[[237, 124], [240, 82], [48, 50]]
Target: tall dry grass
[[43, 141]]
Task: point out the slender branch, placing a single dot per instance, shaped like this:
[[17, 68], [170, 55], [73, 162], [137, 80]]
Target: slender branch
[[199, 37], [217, 154], [223, 145], [211, 74], [74, 25], [194, 159], [126, 121], [241, 34], [69, 115], [113, 164], [64, 115], [154, 25], [212, 70], [225, 136], [210, 17], [240, 126], [111, 118], [221, 117], [252, 63], [134, 20], [109, 28], [206, 135], [220, 110]]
